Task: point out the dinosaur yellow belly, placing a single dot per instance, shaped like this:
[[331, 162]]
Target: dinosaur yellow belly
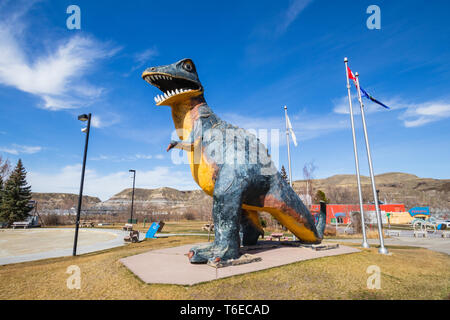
[[203, 173]]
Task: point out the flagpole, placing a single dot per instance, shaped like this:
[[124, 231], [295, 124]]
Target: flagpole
[[364, 244], [382, 248], [288, 149], [289, 155]]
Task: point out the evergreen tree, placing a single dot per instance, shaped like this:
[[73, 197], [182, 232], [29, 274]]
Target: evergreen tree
[[284, 174], [16, 196], [320, 196]]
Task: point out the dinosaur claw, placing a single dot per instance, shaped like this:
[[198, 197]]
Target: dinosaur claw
[[171, 145]]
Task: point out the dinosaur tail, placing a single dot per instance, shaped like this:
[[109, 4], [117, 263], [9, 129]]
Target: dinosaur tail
[[322, 219]]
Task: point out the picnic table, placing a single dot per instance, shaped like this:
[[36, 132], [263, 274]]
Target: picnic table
[[127, 227], [85, 224], [132, 237], [276, 235], [208, 227]]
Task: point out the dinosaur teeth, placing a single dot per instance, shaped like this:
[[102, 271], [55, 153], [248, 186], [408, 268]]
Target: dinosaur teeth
[[176, 91], [173, 93]]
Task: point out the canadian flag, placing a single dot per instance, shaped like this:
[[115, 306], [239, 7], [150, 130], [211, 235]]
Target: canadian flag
[[351, 75]]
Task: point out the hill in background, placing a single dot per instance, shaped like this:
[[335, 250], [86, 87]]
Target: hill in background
[[393, 187]]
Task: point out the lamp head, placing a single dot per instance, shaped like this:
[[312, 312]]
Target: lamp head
[[83, 117]]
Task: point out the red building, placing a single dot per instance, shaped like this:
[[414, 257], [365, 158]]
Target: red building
[[343, 210]]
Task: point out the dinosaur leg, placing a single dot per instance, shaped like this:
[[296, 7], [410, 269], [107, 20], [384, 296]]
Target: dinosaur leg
[[286, 206], [251, 228], [227, 202]]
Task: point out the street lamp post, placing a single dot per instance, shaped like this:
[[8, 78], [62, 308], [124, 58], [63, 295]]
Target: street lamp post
[[83, 117], [132, 194]]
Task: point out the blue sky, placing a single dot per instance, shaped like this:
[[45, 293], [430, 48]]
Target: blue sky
[[253, 57]]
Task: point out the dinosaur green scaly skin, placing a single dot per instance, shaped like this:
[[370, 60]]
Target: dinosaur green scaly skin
[[231, 165]]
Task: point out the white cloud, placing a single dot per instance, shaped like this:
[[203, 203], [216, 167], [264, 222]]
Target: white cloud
[[143, 156], [105, 120], [105, 186], [56, 74], [142, 58], [293, 11], [16, 149], [422, 114], [138, 156], [341, 105], [146, 55], [413, 114], [306, 126]]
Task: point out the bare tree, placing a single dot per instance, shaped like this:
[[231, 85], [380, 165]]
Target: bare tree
[[308, 175], [5, 168]]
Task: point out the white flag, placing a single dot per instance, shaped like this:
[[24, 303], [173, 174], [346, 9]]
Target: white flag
[[291, 131]]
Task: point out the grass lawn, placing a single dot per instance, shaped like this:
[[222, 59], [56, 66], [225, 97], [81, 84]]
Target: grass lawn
[[409, 273]]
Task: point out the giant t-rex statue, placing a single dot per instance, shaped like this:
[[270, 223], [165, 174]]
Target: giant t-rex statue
[[232, 166]]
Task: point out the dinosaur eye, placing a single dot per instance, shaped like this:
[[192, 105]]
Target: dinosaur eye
[[188, 66]]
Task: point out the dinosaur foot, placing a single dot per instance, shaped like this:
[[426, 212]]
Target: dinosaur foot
[[203, 254]]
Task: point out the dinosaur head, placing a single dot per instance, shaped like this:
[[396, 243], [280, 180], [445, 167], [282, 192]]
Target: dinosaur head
[[178, 82]]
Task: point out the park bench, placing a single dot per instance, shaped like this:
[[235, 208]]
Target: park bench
[[393, 233], [127, 227], [420, 233], [21, 224]]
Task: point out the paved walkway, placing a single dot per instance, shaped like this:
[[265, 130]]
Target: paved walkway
[[171, 265], [22, 245], [435, 244]]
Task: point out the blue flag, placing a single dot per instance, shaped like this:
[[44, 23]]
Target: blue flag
[[368, 96]]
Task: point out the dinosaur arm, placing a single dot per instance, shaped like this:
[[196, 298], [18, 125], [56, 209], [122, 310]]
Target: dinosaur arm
[[191, 142], [183, 145]]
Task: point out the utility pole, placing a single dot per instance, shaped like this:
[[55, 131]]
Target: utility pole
[[83, 118], [132, 194]]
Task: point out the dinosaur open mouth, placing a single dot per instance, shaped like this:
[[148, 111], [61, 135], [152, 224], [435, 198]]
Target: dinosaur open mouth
[[172, 87]]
